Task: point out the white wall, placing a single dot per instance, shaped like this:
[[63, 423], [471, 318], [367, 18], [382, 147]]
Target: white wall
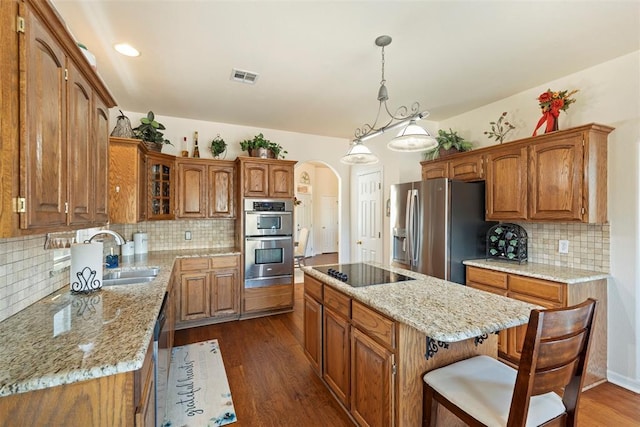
[[609, 94], [301, 147]]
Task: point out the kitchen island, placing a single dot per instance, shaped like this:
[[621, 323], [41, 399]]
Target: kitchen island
[[69, 349], [372, 344]]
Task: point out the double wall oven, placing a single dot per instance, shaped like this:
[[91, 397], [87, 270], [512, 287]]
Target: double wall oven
[[268, 242]]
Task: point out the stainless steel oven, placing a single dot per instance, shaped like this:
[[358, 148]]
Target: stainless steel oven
[[268, 217], [267, 258], [268, 242]]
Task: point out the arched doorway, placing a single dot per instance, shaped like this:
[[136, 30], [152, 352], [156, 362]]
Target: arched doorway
[[316, 188]]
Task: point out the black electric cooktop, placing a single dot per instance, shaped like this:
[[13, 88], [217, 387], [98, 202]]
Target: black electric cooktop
[[359, 274]]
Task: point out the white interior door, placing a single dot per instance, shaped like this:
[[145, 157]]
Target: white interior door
[[328, 224], [369, 238], [304, 218]]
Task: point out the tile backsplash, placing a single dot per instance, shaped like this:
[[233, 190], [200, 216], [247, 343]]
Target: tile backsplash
[[26, 267]]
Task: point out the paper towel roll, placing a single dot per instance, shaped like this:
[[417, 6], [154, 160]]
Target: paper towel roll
[[85, 274], [140, 241]]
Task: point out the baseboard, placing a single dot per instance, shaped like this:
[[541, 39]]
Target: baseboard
[[624, 382]]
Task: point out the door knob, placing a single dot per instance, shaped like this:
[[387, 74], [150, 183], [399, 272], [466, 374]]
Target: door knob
[[359, 242]]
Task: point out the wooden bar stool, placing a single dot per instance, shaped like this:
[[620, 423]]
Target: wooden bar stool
[[482, 391]]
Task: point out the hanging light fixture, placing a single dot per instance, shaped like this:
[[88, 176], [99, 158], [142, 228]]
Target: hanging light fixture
[[359, 154], [411, 138]]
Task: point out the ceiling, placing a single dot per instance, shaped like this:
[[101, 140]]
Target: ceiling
[[319, 69]]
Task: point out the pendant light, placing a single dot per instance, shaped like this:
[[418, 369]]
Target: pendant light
[[359, 154], [410, 139]]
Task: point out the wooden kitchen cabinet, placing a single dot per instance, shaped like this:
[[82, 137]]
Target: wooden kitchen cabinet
[[312, 322], [356, 354], [548, 294], [209, 290], [160, 186], [506, 183], [205, 188], [372, 381], [435, 169], [336, 345], [271, 178], [50, 174], [559, 176], [127, 181]]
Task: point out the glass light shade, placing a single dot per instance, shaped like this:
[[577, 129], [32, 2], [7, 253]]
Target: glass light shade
[[359, 154], [412, 138]]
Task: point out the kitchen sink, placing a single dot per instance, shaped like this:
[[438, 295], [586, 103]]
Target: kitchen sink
[[129, 277]]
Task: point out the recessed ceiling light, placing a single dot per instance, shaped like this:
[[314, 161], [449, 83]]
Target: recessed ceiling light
[[126, 49]]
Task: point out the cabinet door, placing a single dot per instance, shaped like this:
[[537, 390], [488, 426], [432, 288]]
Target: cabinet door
[[192, 190], [194, 296], [555, 171], [372, 381], [506, 184], [313, 332], [467, 168], [281, 181], [336, 354], [43, 154], [221, 192], [160, 187], [256, 179], [432, 170], [100, 140], [224, 292], [81, 149]]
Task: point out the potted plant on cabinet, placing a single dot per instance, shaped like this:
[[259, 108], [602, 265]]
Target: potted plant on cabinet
[[218, 147], [149, 132], [263, 148], [448, 143]]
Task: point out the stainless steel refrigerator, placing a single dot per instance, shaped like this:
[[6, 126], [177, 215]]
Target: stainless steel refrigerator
[[436, 224]]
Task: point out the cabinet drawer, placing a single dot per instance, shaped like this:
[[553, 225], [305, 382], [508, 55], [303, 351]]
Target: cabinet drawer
[[313, 287], [337, 301], [549, 291], [486, 277], [224, 262], [486, 288], [377, 326], [190, 264]]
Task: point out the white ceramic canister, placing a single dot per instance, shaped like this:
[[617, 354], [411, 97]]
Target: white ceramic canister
[[128, 249], [141, 243]]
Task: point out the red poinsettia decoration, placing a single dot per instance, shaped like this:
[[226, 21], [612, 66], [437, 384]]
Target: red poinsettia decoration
[[551, 103]]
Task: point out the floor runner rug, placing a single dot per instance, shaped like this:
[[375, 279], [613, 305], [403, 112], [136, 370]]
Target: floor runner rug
[[198, 392]]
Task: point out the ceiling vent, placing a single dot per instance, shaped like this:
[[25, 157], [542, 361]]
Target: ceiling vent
[[244, 76]]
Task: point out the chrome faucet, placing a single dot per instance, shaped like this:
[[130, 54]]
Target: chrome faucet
[[118, 237]]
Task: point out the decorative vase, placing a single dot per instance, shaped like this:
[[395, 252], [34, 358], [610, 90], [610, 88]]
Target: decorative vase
[[450, 151], [262, 153], [554, 126]]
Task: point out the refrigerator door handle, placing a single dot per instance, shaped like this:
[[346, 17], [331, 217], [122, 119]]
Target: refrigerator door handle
[[407, 222], [414, 232]]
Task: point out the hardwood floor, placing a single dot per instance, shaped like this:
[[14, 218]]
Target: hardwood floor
[[273, 384]]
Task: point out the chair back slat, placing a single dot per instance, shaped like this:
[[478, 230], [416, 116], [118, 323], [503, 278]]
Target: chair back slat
[[552, 353], [548, 380]]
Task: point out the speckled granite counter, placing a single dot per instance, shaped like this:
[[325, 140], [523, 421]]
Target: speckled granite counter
[[540, 271], [65, 338], [442, 310]]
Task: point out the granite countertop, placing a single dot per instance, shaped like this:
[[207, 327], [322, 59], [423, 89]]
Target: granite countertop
[[440, 309], [540, 271], [65, 337]]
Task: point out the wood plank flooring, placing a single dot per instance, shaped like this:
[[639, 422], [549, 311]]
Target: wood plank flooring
[[273, 384]]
